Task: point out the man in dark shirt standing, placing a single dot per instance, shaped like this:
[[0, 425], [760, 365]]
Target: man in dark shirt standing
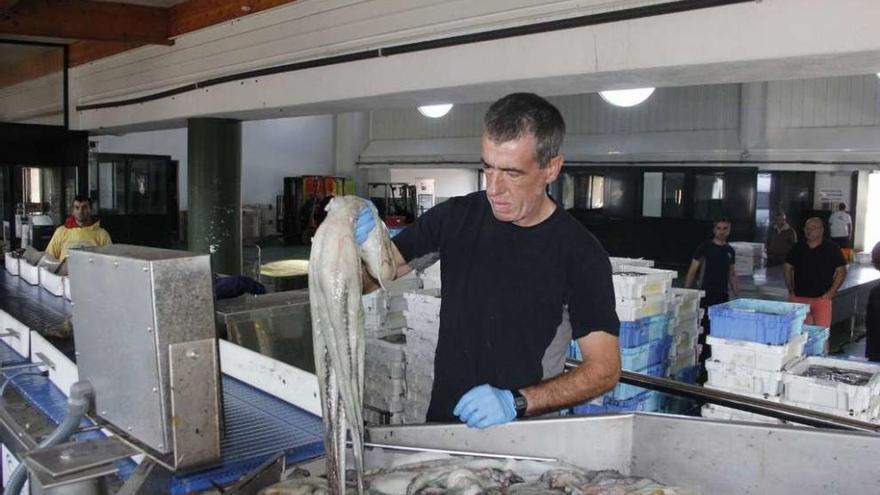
[[872, 315], [520, 278], [814, 270], [717, 259]]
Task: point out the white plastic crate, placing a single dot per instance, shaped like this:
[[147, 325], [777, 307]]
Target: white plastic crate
[[683, 360], [635, 309], [863, 258], [689, 294], [619, 262], [11, 263], [683, 343], [713, 411], [871, 414], [739, 379], [641, 281], [826, 393], [756, 355], [29, 273], [53, 283]]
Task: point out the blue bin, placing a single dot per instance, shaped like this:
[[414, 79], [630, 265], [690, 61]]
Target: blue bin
[[625, 391], [816, 340], [658, 326], [755, 320], [647, 401], [658, 350], [687, 375], [633, 333], [635, 358]]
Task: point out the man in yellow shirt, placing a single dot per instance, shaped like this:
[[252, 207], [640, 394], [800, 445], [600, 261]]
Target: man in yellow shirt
[[79, 230]]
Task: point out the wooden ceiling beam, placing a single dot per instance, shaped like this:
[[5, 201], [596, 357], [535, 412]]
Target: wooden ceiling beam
[[32, 67], [88, 20], [197, 14]]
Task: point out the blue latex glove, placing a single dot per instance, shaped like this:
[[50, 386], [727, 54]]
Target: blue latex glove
[[484, 406], [363, 225]]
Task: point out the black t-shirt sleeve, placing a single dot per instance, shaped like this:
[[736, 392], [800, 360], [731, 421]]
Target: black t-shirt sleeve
[[835, 255], [422, 239], [732, 253], [792, 257], [591, 294], [700, 253]]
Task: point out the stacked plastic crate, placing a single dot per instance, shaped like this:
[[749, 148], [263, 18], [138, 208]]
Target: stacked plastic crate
[[384, 350], [422, 329], [817, 340], [750, 256], [643, 295], [752, 341], [839, 387], [685, 329]]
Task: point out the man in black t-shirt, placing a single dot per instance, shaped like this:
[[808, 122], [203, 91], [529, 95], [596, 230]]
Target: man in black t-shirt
[[717, 259], [520, 278], [814, 270]]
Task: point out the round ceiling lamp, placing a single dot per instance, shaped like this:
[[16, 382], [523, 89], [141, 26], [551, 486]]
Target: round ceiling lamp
[[435, 111], [626, 97]]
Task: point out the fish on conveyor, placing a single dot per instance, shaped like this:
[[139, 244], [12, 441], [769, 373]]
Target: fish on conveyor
[[335, 289]]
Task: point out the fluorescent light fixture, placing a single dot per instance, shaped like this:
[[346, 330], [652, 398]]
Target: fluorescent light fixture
[[878, 75], [435, 111], [626, 97]]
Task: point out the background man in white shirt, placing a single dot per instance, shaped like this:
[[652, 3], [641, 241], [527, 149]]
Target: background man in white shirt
[[841, 226]]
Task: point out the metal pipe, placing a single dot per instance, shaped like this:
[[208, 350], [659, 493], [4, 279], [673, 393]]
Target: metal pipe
[[458, 452], [741, 402], [13, 367]]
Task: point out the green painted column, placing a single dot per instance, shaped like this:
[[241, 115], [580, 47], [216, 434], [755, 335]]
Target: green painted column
[[214, 191]]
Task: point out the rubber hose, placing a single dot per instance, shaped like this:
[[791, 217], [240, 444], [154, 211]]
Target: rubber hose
[[77, 406]]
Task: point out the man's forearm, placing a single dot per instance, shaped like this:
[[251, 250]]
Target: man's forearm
[[789, 278], [585, 382], [839, 277]]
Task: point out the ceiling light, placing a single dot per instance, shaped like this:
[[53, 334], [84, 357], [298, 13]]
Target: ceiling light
[[626, 97], [435, 111]]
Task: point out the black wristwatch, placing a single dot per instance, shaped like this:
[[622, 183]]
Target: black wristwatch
[[519, 403]]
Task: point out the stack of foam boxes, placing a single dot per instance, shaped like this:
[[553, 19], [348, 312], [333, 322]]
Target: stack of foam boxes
[[685, 329], [384, 350], [750, 256], [839, 387], [752, 342], [643, 296], [422, 330]]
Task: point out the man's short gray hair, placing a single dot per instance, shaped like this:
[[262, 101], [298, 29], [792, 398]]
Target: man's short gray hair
[[519, 114]]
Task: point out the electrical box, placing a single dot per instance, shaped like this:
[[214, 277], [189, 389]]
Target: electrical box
[[145, 339]]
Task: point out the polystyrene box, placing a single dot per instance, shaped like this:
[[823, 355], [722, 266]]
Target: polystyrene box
[[11, 263], [29, 273], [827, 393], [53, 283], [756, 355], [632, 282], [735, 378]]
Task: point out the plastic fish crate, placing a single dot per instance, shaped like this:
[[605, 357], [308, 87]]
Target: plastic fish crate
[[658, 326], [647, 401], [29, 273], [624, 391], [645, 355], [827, 393], [756, 320], [649, 281], [871, 414], [54, 284], [636, 309], [682, 343], [735, 378], [633, 333], [674, 404], [11, 263], [683, 360], [658, 350], [713, 411], [616, 263], [687, 374], [756, 355], [817, 340], [689, 294]]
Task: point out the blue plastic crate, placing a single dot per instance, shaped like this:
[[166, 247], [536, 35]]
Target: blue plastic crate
[[658, 350], [687, 375], [634, 333], [647, 401], [589, 408], [635, 358], [658, 326], [818, 337], [755, 320], [624, 391]]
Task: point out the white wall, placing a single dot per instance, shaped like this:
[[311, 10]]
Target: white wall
[[271, 149]]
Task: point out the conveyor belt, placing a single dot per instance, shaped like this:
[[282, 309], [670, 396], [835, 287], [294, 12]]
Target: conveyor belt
[[258, 426]]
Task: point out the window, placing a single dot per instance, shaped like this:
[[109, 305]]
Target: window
[[589, 192], [652, 194], [673, 195], [708, 196]]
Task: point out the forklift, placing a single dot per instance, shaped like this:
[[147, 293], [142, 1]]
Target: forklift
[[300, 209], [395, 202]]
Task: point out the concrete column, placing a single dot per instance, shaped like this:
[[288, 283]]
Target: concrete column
[[214, 191], [753, 117]]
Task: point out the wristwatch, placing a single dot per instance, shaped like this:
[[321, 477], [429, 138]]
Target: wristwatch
[[519, 403]]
